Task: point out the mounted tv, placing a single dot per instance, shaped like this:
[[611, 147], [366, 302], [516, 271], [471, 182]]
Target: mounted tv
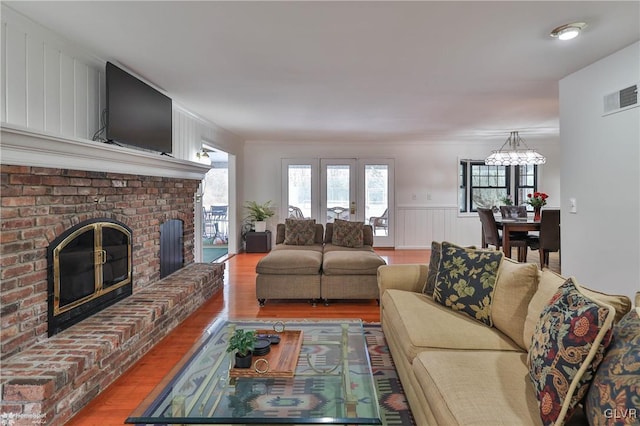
[[137, 114]]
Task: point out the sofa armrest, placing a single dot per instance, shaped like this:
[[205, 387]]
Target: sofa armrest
[[410, 277]]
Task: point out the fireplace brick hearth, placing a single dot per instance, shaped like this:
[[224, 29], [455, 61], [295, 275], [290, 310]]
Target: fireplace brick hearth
[[51, 381]]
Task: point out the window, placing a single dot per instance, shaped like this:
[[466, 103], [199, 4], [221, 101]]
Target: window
[[485, 186]]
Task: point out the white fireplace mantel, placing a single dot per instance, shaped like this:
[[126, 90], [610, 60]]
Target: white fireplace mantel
[[24, 147]]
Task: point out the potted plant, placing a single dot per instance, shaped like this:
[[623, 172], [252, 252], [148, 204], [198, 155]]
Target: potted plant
[[537, 200], [242, 342], [258, 213]]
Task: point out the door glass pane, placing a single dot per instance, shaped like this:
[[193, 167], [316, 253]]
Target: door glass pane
[[338, 196], [376, 178], [299, 191]]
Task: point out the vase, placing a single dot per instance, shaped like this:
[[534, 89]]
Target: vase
[[536, 213], [244, 361], [261, 226]]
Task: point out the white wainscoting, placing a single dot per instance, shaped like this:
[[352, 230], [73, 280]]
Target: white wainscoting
[[418, 226], [48, 84]]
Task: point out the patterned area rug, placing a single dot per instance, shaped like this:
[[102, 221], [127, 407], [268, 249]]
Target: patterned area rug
[[393, 404]]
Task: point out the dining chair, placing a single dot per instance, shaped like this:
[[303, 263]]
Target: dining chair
[[491, 235], [549, 239], [508, 212], [295, 212]]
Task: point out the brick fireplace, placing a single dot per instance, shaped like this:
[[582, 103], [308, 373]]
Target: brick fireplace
[[39, 204], [64, 183]]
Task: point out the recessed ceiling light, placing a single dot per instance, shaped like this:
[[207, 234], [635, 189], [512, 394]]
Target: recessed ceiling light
[[568, 31]]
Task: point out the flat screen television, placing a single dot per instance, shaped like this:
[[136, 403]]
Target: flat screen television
[[137, 114]]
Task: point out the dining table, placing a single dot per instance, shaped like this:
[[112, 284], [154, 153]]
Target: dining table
[[510, 225]]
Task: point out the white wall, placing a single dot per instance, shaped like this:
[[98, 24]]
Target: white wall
[[421, 168], [601, 169]]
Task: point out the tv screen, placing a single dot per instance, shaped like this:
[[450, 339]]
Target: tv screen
[[137, 114]]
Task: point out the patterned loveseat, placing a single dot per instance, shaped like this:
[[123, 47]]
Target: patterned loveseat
[[310, 265], [479, 339]]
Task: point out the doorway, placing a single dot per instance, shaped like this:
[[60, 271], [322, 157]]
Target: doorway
[[215, 206], [342, 188]]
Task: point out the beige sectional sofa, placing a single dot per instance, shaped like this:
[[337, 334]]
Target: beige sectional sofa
[[322, 270], [456, 370]]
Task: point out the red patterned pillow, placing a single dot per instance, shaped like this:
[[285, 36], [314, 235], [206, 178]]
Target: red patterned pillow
[[568, 345], [347, 234]]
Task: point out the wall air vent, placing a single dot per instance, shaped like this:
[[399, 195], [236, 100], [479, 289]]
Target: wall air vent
[[621, 100]]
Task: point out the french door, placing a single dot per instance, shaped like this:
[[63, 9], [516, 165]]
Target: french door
[[341, 188]]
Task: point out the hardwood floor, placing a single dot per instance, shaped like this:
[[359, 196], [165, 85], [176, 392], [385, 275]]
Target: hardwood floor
[[237, 300]]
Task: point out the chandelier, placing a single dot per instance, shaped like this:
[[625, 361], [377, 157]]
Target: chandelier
[[514, 155]]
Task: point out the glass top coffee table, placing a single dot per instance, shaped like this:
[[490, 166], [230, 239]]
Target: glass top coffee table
[[330, 381]]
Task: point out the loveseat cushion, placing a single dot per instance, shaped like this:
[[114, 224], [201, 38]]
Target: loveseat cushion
[[515, 286], [367, 234], [290, 262], [548, 284], [615, 391], [280, 234], [568, 345], [477, 388], [351, 262], [299, 232], [422, 324], [347, 233], [466, 280]]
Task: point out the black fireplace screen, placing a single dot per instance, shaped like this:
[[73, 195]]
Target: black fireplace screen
[[90, 268]]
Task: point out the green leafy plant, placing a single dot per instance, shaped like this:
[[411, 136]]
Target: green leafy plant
[[259, 212], [242, 341]]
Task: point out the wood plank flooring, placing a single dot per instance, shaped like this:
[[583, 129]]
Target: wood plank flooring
[[237, 300]]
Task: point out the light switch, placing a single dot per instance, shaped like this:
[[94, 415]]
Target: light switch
[[573, 205]]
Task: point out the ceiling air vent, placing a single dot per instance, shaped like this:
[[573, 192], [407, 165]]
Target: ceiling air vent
[[621, 100]]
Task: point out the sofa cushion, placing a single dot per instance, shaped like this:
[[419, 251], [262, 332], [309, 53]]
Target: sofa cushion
[[568, 345], [466, 279], [367, 235], [290, 262], [548, 284], [351, 262], [515, 286], [477, 388], [280, 231], [434, 264], [299, 232], [347, 233], [615, 391], [421, 323]]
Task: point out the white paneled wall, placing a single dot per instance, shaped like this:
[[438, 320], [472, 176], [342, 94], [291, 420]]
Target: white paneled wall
[[45, 87], [417, 227]]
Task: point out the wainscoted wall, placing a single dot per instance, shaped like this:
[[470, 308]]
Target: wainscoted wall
[[417, 227], [51, 85]]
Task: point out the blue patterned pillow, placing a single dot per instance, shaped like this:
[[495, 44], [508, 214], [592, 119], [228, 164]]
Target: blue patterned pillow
[[614, 395], [568, 345], [466, 279]]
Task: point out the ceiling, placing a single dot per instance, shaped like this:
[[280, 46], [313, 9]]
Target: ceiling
[[352, 71]]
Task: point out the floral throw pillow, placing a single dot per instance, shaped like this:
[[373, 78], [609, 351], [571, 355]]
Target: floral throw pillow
[[568, 344], [347, 234], [466, 279], [299, 232], [614, 395]]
